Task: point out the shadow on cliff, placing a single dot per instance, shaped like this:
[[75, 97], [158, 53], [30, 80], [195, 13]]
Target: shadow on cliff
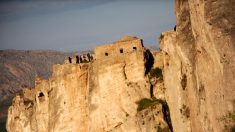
[[165, 109], [166, 113], [3, 127], [149, 61]]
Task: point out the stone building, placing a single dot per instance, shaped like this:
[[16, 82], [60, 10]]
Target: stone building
[[127, 44]]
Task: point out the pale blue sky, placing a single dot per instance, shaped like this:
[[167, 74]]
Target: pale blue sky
[[81, 25]]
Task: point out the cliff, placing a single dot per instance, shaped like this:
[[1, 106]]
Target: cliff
[[104, 94], [199, 66], [187, 86], [18, 69]]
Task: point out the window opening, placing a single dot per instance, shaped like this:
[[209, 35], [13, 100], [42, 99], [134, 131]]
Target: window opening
[[121, 50], [70, 60], [77, 59], [41, 97]]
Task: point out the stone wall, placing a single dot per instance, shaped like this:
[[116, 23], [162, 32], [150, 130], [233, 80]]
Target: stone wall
[[125, 45]]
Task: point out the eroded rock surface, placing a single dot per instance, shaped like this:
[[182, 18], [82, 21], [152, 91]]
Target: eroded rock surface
[[97, 96], [197, 61], [199, 65]]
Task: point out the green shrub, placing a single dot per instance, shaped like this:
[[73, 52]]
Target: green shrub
[[231, 115], [145, 103], [159, 129], [156, 72], [184, 82]]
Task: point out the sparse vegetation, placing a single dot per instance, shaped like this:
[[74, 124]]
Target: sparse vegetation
[[229, 120], [160, 37], [145, 103], [156, 72], [184, 82], [27, 102], [185, 111], [159, 129]]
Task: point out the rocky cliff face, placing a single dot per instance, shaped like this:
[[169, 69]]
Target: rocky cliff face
[[199, 65], [18, 69], [112, 92], [101, 95]]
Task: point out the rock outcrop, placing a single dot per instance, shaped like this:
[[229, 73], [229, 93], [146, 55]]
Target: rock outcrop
[[187, 86], [18, 69], [98, 96], [199, 65]]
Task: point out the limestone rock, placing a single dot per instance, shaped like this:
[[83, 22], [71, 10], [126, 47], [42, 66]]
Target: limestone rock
[[199, 65], [97, 96]]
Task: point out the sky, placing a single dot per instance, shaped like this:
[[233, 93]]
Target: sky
[[75, 25]]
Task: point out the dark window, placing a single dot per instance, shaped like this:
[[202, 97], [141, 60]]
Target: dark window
[[121, 50], [134, 48], [106, 54], [77, 59], [70, 60]]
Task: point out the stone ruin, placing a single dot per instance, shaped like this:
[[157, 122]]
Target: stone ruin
[[85, 58], [127, 44], [124, 46]]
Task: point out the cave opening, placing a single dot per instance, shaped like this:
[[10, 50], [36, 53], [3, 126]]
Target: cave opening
[[41, 94], [106, 54]]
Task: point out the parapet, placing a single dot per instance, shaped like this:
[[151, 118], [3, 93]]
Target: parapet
[[85, 58], [125, 45]]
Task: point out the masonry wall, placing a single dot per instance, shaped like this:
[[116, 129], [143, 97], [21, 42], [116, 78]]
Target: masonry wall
[[127, 46]]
